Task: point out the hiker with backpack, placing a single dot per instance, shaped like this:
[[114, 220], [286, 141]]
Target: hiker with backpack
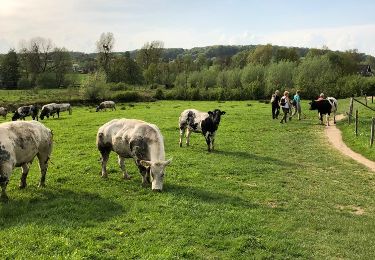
[[297, 105], [285, 106]]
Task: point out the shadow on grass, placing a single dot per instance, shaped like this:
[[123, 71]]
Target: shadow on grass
[[264, 159], [59, 208], [208, 196]]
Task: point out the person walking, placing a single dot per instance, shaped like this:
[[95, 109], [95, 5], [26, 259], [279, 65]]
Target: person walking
[[275, 100], [285, 105], [297, 105]]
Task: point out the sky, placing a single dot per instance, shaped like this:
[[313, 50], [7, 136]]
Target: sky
[[78, 24]]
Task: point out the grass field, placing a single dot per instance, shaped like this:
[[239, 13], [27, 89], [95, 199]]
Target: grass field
[[268, 191]]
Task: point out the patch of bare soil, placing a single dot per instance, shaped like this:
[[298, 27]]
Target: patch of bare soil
[[352, 209], [335, 138]]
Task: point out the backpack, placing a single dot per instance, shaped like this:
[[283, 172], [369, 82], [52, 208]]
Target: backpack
[[282, 101]]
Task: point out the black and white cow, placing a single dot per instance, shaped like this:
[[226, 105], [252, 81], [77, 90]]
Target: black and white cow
[[106, 104], [131, 138], [200, 122], [25, 111], [20, 142], [3, 112], [325, 107]]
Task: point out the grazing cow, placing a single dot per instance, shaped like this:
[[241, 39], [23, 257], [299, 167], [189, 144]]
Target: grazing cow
[[131, 138], [20, 142], [325, 107], [200, 122], [49, 110], [25, 111], [3, 112], [106, 104], [53, 108]]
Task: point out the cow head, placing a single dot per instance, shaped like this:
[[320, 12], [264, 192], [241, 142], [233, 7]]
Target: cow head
[[216, 115], [16, 116], [44, 112], [313, 105], [157, 170]]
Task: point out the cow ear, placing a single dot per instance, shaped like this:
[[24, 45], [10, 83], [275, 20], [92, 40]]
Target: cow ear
[[145, 163], [223, 112], [210, 113], [167, 162]]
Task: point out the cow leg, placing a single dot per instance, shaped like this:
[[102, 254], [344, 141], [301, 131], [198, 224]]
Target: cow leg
[[182, 130], [188, 133], [145, 173], [121, 162], [25, 171], [212, 141], [327, 119], [43, 166], [3, 195], [105, 157], [334, 117], [208, 141]]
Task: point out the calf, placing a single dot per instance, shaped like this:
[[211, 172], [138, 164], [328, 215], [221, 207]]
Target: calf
[[25, 111], [200, 122], [3, 112], [325, 107], [106, 104], [20, 142], [131, 138]]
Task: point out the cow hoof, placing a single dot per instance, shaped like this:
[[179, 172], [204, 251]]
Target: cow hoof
[[180, 144]]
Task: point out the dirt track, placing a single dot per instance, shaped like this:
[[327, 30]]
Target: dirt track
[[335, 138]]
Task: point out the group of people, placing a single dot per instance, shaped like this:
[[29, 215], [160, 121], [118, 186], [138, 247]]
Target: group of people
[[287, 105]]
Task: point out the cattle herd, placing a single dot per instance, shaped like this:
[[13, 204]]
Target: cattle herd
[[22, 141]]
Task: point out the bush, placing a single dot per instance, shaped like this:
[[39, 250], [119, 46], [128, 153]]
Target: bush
[[128, 96], [94, 87], [117, 86], [159, 94]]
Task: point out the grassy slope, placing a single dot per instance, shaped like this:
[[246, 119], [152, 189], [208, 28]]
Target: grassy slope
[[269, 190]]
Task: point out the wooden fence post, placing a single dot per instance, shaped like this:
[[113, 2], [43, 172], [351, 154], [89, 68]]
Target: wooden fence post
[[356, 122], [372, 99], [350, 110], [372, 132], [366, 99]]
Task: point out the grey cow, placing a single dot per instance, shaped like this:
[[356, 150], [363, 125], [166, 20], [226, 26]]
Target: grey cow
[[20, 142], [131, 138]]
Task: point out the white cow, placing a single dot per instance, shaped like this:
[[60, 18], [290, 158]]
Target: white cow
[[64, 107], [106, 104], [20, 142], [53, 108], [3, 112], [131, 138]]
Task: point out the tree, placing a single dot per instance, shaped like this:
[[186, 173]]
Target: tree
[[62, 64], [104, 47], [124, 69], [9, 69], [279, 76], [261, 55], [150, 53], [35, 57], [287, 54]]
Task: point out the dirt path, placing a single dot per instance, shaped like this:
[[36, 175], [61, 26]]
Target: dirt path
[[335, 138]]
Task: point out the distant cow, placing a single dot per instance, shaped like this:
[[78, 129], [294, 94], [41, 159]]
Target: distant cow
[[65, 107], [106, 104], [131, 138], [200, 122], [20, 142], [325, 107], [53, 108], [25, 111], [3, 112]]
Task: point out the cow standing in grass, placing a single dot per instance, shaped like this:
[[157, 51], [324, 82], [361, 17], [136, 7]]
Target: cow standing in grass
[[131, 138], [53, 108], [20, 142], [106, 104], [3, 112], [325, 107], [200, 122], [25, 111]]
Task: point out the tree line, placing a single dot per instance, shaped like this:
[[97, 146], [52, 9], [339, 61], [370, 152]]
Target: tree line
[[232, 72]]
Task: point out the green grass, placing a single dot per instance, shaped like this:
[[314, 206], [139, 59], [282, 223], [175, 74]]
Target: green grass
[[360, 143], [268, 191]]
